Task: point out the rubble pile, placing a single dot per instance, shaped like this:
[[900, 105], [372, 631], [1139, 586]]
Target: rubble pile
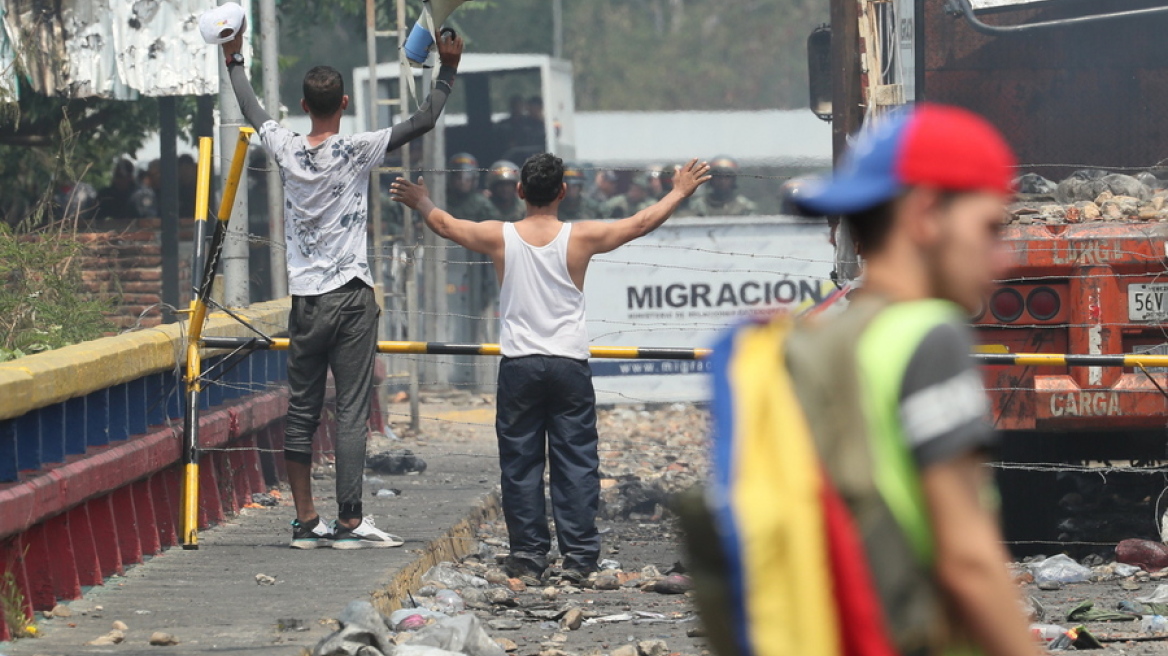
[[646, 457], [638, 604], [1088, 196]]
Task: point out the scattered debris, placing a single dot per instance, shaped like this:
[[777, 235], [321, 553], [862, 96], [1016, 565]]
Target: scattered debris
[[652, 648], [396, 462], [449, 577], [1086, 612], [572, 619], [60, 610], [606, 581], [1146, 554], [264, 579], [119, 625], [291, 624], [504, 625], [1061, 569], [388, 493], [160, 639], [625, 650], [266, 499], [674, 584]]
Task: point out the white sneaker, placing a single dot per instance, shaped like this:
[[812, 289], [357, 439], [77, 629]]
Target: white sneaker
[[316, 534], [363, 536]]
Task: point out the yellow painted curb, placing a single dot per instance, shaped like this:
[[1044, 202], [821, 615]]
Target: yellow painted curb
[[36, 381]]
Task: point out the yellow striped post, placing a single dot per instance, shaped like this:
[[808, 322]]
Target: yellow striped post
[[202, 276]]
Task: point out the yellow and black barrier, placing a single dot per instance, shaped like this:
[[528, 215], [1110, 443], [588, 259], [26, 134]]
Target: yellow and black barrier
[[1131, 360], [202, 278], [446, 348], [665, 353]]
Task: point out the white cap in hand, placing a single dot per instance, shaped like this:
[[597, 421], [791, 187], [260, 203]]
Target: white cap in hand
[[222, 23]]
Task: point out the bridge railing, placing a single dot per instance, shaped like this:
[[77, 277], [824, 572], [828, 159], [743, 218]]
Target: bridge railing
[[90, 438]]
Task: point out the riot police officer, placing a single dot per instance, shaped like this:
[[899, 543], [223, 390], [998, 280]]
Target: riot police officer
[[577, 206], [722, 197], [502, 181], [463, 199], [632, 201]]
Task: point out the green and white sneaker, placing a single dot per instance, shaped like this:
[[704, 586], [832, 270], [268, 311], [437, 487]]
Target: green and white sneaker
[[363, 536], [311, 535]]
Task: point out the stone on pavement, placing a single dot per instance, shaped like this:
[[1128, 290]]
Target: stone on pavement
[[572, 619], [652, 648], [161, 639]]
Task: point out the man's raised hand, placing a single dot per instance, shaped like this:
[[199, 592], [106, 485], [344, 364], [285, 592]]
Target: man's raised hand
[[450, 49], [409, 194], [689, 177], [233, 46]]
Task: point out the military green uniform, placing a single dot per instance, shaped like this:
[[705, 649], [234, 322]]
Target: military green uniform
[[516, 213], [471, 207], [736, 205], [619, 207], [584, 209]]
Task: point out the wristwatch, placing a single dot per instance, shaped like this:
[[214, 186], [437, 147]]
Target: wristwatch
[[236, 58]]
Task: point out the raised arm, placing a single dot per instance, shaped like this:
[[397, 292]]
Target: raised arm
[[601, 237], [424, 120], [248, 102], [485, 237]]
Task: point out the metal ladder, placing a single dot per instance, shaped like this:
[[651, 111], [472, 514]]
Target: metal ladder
[[383, 244]]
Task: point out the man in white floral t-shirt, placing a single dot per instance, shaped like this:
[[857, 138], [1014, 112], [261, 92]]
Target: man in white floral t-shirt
[[333, 322]]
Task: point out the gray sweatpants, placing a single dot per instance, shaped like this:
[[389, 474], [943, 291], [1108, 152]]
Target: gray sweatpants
[[337, 329]]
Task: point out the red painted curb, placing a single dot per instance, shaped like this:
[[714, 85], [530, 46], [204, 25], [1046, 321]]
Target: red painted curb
[[52, 492]]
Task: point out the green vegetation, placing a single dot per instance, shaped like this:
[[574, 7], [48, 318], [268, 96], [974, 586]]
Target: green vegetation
[[12, 607], [42, 306]]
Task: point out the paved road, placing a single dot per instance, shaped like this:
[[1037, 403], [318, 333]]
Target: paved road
[[209, 598]]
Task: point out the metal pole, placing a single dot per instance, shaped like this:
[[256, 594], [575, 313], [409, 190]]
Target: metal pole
[[847, 95], [168, 202], [408, 236], [270, 43], [434, 277], [235, 255], [558, 29], [375, 214]]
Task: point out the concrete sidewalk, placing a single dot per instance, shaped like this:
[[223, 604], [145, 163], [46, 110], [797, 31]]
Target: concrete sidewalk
[[209, 599]]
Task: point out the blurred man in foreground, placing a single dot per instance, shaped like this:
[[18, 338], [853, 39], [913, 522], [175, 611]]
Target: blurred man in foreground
[[871, 425]]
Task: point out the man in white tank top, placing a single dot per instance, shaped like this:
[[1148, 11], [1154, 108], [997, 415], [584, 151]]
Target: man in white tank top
[[546, 403]]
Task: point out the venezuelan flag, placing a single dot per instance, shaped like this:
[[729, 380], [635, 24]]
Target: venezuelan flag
[[798, 577]]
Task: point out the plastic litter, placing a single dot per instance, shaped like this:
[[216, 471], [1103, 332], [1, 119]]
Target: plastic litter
[[396, 617], [1047, 632], [1059, 569], [463, 634], [445, 574], [449, 602], [388, 493], [1154, 624], [421, 650], [363, 630], [1158, 596], [609, 563], [1124, 570]]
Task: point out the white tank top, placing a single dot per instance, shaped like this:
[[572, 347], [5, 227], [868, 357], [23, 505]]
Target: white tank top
[[541, 309]]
